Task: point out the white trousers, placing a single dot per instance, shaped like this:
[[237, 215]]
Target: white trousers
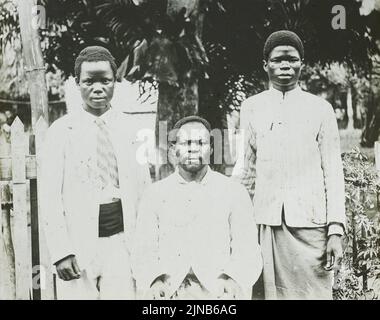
[[108, 277]]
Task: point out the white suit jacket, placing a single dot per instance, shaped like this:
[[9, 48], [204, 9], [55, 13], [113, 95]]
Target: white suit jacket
[[292, 159], [206, 226], [69, 190]]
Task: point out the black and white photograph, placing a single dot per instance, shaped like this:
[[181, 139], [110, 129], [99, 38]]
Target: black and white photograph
[[196, 150]]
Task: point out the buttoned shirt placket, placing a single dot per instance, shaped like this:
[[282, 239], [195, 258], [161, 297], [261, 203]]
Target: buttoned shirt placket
[[194, 192], [281, 122]]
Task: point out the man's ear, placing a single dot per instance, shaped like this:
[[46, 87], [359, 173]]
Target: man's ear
[[302, 65], [174, 150], [265, 65], [171, 144]]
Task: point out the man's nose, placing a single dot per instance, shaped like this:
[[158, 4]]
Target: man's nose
[[97, 87], [193, 147], [285, 65]]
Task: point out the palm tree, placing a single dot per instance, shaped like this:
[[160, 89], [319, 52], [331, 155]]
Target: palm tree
[[205, 56]]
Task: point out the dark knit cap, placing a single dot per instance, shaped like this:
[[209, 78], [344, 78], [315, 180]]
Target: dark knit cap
[[283, 38], [94, 54], [183, 121], [188, 119]]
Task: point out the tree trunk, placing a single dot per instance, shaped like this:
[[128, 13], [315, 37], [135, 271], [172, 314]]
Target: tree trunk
[[34, 62], [372, 118], [372, 121], [174, 102], [350, 111], [209, 92], [35, 68], [356, 107]]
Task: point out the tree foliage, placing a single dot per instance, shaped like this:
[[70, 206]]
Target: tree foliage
[[235, 40], [12, 75], [147, 42], [150, 44], [360, 274]]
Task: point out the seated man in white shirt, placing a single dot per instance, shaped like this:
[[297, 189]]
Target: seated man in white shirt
[[195, 236]]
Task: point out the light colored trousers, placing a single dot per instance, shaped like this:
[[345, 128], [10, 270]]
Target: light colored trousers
[[108, 277], [293, 263]]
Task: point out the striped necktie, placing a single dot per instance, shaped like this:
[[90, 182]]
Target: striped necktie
[[106, 158]]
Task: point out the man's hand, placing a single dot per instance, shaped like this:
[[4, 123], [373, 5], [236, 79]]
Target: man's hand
[[334, 253], [228, 289], [68, 269], [159, 289]]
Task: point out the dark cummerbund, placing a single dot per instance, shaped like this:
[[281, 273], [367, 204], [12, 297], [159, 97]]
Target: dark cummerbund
[[110, 219]]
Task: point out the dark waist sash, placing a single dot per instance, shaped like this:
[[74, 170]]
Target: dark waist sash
[[110, 219]]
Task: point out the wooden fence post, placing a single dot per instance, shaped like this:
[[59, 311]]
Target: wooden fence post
[[7, 260], [377, 164], [3, 264], [2, 255], [21, 238], [35, 68], [7, 263], [377, 155], [46, 272]]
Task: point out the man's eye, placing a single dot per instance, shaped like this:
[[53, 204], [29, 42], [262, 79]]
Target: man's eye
[[87, 82], [203, 142], [106, 81]]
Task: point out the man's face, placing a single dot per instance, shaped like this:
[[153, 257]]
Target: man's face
[[96, 84], [193, 147], [283, 67]]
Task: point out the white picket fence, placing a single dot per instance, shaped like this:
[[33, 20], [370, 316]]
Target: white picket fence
[[25, 271]]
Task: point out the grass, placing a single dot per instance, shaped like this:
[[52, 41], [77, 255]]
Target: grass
[[350, 139]]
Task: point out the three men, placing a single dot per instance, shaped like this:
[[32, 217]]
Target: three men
[[195, 236], [91, 183], [293, 169]]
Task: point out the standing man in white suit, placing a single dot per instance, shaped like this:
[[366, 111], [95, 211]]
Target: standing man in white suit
[[90, 186], [196, 237], [293, 170]]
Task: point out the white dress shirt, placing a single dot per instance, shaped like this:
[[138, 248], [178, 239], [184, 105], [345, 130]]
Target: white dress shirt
[[207, 227], [292, 160]]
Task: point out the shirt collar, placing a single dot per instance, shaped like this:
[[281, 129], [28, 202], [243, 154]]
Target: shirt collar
[[204, 181], [106, 116], [288, 94]]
